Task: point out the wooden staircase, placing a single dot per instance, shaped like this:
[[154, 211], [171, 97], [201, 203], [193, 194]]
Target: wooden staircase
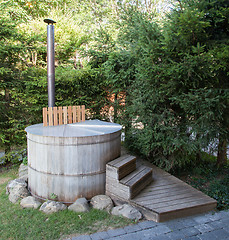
[[124, 179], [164, 198]]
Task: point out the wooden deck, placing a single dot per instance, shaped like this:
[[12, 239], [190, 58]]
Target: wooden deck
[[167, 197]]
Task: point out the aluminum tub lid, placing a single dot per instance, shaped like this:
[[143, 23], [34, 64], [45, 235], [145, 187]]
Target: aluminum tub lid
[[81, 129]]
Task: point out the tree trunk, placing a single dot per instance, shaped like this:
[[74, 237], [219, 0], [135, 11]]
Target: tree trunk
[[222, 151]]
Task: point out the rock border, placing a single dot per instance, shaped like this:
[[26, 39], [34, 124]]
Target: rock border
[[17, 190]]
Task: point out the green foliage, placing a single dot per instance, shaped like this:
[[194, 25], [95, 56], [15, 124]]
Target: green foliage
[[53, 196], [23, 81], [10, 48], [80, 86], [23, 10], [166, 81], [14, 157], [208, 178], [25, 160], [219, 190], [179, 96], [73, 87], [119, 72], [185, 27]]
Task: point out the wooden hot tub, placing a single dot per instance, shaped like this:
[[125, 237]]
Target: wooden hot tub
[[69, 161]]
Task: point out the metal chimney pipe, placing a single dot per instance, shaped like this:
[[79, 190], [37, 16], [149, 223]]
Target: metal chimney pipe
[[50, 62]]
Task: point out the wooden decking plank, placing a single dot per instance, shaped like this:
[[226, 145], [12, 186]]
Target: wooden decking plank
[[163, 194], [158, 185], [125, 170], [165, 186], [184, 212], [172, 190], [113, 172], [141, 183], [132, 182], [160, 172], [112, 163], [165, 197], [164, 190], [166, 180], [129, 190], [170, 185], [125, 161], [152, 214], [123, 193], [200, 201], [121, 167], [121, 160], [174, 185], [159, 196], [174, 201], [132, 175], [157, 188]]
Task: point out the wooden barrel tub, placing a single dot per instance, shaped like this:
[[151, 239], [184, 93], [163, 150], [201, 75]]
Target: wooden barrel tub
[[69, 161]]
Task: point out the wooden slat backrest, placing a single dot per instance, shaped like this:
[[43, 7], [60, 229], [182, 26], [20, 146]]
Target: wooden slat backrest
[[53, 116], [50, 113], [65, 111], [60, 114], [82, 113], [45, 114], [78, 113], [69, 114], [74, 114]]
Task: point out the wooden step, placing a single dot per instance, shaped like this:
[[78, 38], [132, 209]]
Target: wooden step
[[129, 186], [167, 198], [138, 180], [121, 167]]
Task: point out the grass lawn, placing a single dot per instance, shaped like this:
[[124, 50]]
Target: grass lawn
[[18, 223]]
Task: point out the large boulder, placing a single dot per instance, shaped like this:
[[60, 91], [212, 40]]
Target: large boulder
[[127, 211], [102, 202], [52, 206], [30, 202], [80, 205], [17, 193], [13, 183]]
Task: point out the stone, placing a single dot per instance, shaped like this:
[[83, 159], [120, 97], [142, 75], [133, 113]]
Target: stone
[[13, 183], [80, 205], [30, 202], [102, 202], [23, 170], [52, 206], [127, 211], [17, 193], [24, 177]]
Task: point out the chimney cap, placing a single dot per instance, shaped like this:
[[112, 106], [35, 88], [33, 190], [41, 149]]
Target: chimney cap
[[49, 21]]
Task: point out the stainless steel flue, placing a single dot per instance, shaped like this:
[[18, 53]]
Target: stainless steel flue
[[50, 62]]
